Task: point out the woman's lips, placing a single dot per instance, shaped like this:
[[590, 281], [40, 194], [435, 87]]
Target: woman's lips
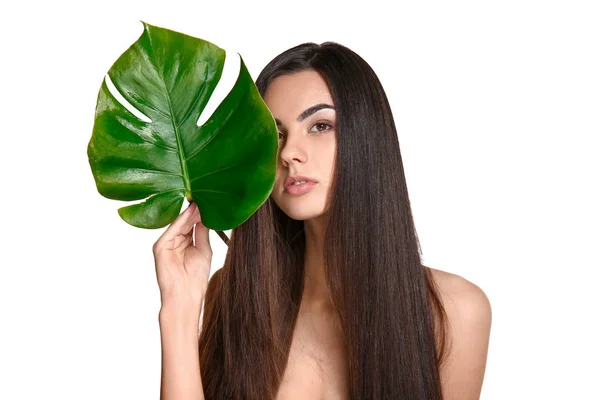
[[301, 188]]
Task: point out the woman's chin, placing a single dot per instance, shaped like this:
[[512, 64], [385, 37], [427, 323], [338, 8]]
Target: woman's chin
[[302, 213]]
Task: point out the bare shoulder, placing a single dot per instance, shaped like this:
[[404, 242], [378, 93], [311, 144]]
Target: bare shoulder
[[462, 297], [469, 315]]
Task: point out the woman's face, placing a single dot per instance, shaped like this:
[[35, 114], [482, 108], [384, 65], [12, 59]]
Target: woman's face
[[307, 142]]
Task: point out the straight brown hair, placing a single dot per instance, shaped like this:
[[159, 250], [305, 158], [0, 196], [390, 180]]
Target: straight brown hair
[[390, 310]]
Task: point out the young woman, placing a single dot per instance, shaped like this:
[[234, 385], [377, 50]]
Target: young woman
[[323, 294]]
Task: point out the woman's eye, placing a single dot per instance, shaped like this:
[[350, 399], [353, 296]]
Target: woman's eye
[[320, 124], [324, 125]]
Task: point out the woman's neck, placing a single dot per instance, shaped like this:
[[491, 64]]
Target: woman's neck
[[316, 292]]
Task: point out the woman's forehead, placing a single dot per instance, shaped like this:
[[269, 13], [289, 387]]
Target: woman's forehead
[[294, 93]]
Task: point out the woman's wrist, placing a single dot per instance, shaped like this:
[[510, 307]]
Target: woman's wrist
[[179, 314]]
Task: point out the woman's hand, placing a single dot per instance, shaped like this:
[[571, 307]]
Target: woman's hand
[[182, 267]]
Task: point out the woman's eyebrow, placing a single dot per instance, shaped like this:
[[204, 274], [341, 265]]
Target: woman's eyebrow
[[309, 111]]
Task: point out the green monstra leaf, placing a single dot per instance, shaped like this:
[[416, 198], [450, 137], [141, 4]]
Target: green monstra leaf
[[227, 165]]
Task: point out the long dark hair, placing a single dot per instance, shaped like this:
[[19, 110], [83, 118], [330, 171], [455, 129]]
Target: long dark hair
[[391, 314]]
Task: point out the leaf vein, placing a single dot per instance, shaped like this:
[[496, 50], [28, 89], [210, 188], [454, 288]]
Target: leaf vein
[[157, 171], [191, 109], [213, 172], [219, 129]]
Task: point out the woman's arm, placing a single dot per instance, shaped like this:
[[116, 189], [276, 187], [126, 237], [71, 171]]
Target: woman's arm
[[469, 321], [182, 257], [180, 376]]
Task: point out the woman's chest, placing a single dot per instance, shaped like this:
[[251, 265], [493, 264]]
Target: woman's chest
[[317, 364]]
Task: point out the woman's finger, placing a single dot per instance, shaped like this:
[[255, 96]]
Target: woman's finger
[[201, 236], [183, 224]]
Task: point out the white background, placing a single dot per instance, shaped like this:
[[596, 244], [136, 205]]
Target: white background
[[498, 112]]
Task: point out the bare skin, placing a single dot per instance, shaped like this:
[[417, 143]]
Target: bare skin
[[317, 362], [316, 365]]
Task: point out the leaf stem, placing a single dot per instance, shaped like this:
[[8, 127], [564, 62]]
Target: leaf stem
[[223, 236]]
